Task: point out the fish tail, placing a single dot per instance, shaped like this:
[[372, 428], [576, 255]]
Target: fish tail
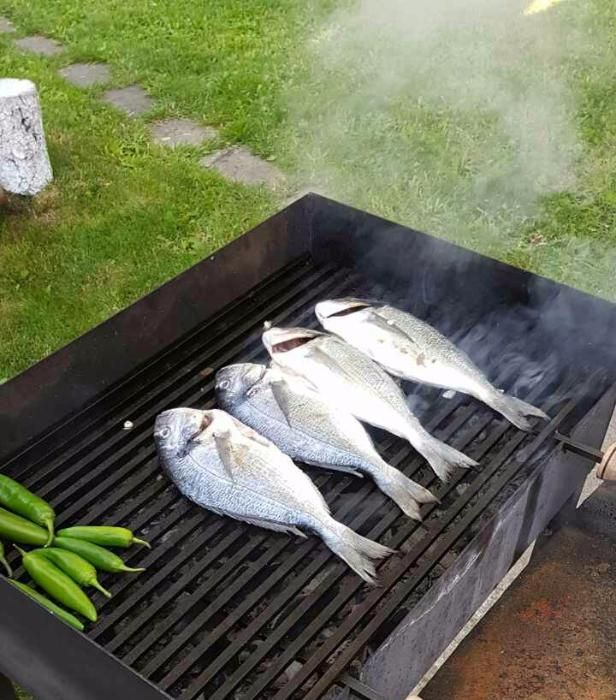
[[444, 459], [355, 550], [405, 492], [515, 410]]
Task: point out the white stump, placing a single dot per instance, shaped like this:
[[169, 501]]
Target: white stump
[[24, 163]]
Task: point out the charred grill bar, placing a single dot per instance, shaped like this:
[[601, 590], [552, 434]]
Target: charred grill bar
[[229, 611]]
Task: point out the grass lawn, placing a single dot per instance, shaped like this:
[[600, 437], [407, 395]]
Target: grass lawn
[[123, 215]]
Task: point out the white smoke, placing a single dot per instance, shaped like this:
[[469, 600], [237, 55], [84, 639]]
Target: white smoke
[[450, 115]]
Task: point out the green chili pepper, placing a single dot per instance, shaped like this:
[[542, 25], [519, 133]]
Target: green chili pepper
[[4, 562], [17, 529], [101, 558], [57, 584], [80, 570], [103, 535], [19, 500], [46, 603]]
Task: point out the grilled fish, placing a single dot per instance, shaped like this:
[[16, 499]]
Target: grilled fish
[[308, 429], [410, 348], [228, 468], [347, 378]]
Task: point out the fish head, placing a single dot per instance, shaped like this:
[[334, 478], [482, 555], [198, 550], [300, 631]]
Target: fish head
[[234, 382], [174, 429], [331, 311]]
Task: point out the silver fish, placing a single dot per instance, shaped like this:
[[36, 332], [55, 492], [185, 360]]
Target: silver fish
[[308, 429], [228, 468], [347, 378], [410, 348]]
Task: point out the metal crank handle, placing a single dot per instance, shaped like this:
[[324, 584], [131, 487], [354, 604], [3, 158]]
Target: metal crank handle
[[607, 460]]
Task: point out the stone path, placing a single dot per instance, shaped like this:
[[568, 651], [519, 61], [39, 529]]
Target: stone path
[[6, 26], [86, 74], [40, 45], [240, 165], [181, 132], [133, 100], [235, 163]]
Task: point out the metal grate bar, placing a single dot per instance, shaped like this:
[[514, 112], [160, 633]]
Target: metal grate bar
[[398, 597], [360, 689], [194, 572], [106, 408], [253, 544], [253, 597], [185, 376], [144, 439], [187, 529]]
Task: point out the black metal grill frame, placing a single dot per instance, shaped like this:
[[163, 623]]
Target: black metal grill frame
[[163, 352]]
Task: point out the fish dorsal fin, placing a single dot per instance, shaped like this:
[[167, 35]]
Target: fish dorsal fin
[[248, 433], [231, 452], [286, 397], [390, 326], [282, 395], [321, 356]]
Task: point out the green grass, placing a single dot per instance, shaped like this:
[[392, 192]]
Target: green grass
[[123, 216]]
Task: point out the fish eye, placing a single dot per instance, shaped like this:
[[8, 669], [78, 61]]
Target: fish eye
[[164, 433], [224, 384]]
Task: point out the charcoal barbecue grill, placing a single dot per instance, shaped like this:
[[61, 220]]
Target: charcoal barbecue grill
[[226, 610]]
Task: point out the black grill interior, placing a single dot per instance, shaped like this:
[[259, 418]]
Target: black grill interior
[[231, 611]]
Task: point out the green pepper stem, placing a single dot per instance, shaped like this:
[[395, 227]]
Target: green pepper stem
[[20, 550], [104, 591], [142, 542], [7, 566], [132, 571], [49, 524]]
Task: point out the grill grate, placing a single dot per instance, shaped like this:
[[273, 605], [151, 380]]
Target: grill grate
[[226, 610]]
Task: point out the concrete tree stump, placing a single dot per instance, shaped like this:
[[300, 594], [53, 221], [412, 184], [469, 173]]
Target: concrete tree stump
[[24, 162]]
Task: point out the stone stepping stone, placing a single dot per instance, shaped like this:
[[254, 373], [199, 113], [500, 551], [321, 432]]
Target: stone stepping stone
[[240, 165], [181, 132], [6, 26], [40, 45], [133, 100], [86, 74]]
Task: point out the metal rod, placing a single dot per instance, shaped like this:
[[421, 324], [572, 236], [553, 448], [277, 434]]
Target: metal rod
[[360, 689], [238, 558], [579, 448]]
